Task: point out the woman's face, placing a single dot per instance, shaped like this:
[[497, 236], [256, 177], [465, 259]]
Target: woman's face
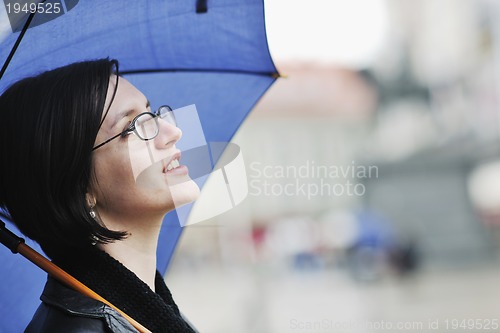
[[132, 176]]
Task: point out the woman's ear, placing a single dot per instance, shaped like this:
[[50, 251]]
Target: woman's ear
[[91, 200]]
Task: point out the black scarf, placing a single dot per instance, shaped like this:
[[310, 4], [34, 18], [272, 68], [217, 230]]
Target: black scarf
[[117, 284]]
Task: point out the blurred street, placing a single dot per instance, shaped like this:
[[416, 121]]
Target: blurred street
[[261, 302]]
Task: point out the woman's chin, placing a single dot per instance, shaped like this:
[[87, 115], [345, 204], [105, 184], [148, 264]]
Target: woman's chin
[[184, 192]]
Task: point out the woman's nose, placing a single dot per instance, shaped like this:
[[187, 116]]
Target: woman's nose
[[168, 134]]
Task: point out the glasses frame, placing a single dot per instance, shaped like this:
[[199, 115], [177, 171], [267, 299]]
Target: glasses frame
[[132, 127]]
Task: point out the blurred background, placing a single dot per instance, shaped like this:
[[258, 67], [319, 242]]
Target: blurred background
[[373, 168]]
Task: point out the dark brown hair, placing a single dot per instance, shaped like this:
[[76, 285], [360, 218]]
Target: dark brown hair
[[48, 125]]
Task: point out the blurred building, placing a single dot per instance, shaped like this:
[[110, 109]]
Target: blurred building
[[348, 162]]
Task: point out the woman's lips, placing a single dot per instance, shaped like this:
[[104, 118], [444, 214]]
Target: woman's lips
[[181, 170]]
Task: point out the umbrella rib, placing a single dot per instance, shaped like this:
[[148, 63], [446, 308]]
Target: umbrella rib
[[18, 41], [200, 70]]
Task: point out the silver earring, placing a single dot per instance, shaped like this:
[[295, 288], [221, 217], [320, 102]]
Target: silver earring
[[94, 240], [91, 201], [92, 213]]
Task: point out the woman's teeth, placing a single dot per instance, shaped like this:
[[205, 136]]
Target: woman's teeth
[[172, 165]]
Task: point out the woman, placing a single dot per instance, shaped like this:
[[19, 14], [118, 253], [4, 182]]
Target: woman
[[90, 174]]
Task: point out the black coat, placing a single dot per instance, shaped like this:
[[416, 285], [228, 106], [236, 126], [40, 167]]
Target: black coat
[[67, 311]]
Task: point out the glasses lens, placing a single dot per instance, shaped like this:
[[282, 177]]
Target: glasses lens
[[146, 126], [166, 113]]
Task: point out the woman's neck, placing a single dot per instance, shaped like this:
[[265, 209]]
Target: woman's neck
[[137, 252]]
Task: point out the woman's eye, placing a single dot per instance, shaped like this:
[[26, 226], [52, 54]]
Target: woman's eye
[[126, 131]]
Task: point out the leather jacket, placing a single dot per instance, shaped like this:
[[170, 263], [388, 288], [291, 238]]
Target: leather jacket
[[65, 310]]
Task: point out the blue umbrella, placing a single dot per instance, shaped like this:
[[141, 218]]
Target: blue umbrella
[[180, 52]]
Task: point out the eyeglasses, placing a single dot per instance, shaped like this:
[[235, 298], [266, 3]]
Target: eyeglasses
[[145, 125]]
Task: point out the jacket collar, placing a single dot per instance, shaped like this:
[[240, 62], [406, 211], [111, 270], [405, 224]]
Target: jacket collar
[[74, 303]]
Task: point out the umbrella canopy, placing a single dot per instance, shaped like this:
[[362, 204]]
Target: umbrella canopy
[[177, 52]]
